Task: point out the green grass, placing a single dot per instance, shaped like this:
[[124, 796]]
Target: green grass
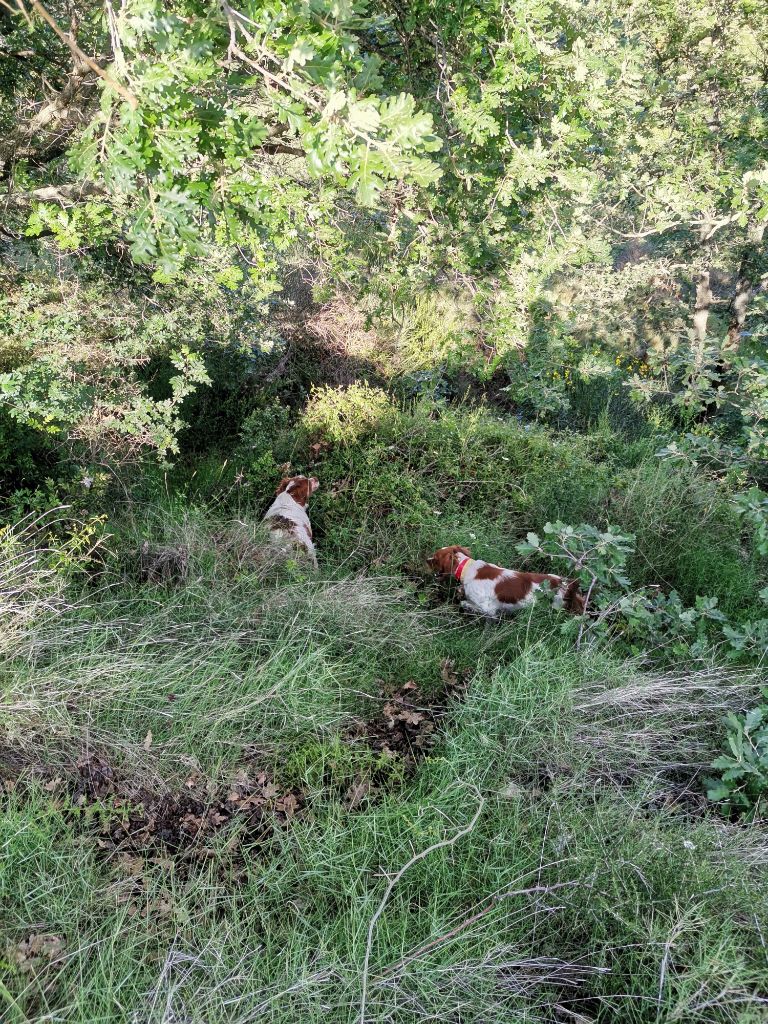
[[595, 884], [618, 891]]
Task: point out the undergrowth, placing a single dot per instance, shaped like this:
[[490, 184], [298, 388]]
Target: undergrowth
[[235, 791]]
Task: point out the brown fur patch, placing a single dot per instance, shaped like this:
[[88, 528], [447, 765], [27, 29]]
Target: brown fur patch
[[488, 572], [299, 488], [513, 589], [573, 599], [281, 523]]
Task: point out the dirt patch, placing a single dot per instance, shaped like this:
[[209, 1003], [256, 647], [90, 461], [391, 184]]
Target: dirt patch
[[184, 823], [190, 825], [407, 726], [404, 732]]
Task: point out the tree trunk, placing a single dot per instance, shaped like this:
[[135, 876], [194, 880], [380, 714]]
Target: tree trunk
[[704, 300], [748, 282]]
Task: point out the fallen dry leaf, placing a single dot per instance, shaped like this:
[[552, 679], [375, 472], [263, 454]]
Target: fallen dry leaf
[[33, 952], [411, 717], [130, 865], [356, 793], [288, 804]]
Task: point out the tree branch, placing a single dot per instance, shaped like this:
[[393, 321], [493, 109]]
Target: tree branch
[[67, 39], [63, 194]]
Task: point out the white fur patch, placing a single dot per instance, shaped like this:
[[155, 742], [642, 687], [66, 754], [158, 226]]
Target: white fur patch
[[286, 507], [481, 598]]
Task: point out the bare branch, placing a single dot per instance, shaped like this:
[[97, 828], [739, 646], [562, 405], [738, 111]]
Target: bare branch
[[67, 39], [66, 195], [393, 882]]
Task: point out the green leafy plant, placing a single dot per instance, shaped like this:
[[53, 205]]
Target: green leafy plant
[[753, 509], [644, 618], [710, 453], [199, 101], [538, 388], [742, 782], [749, 639], [344, 415], [598, 557]]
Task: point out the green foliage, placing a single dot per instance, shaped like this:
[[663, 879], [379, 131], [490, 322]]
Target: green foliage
[[435, 335], [265, 435], [705, 451], [91, 223], [116, 366], [742, 782], [345, 415], [539, 388], [644, 618], [270, 263], [598, 557], [332, 767], [753, 510], [216, 90]]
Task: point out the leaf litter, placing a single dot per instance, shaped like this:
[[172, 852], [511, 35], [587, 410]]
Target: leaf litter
[[135, 827]]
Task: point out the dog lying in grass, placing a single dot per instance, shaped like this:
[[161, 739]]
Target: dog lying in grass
[[287, 516], [492, 591]]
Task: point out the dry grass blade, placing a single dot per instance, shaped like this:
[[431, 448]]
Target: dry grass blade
[[658, 722]]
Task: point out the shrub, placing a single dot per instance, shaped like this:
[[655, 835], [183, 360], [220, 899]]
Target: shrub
[[753, 509], [265, 439], [643, 617], [743, 781], [436, 332], [345, 415]]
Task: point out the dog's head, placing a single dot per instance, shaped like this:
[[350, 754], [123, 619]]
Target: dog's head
[[444, 560], [299, 487], [573, 599]]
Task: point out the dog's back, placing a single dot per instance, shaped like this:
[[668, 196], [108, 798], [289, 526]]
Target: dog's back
[[287, 516]]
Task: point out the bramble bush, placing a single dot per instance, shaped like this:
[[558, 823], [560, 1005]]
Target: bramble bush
[[644, 619], [753, 509]]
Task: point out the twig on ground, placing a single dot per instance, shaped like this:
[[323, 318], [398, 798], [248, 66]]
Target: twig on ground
[[462, 925], [393, 882]]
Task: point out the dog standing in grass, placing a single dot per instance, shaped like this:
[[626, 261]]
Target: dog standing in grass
[[287, 517], [492, 591]]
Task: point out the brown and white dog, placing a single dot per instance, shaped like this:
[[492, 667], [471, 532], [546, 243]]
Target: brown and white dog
[[287, 516], [492, 591]]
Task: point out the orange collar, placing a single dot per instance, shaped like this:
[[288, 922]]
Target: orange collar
[[460, 569]]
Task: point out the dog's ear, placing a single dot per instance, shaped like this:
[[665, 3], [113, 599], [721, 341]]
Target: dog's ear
[[440, 561], [463, 551], [283, 484]]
